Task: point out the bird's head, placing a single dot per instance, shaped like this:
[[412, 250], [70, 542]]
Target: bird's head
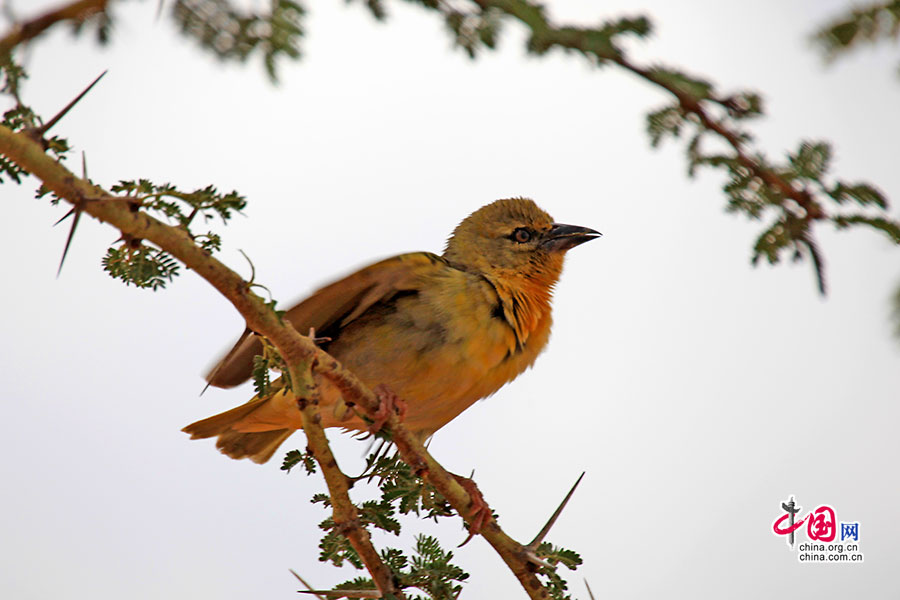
[[514, 239]]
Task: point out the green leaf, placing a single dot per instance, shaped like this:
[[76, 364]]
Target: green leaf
[[260, 374], [556, 585], [744, 105], [665, 121], [681, 83], [324, 499], [11, 170], [379, 514], [554, 554], [877, 21], [432, 572], [771, 242], [232, 32], [862, 193], [141, 266], [891, 228], [295, 457], [211, 242], [811, 160], [359, 583], [336, 548]]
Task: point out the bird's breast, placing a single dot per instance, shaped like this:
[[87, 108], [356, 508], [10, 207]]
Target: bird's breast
[[442, 347]]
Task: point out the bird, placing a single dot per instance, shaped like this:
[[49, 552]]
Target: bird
[[439, 331]]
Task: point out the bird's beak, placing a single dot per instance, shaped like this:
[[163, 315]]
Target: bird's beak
[[563, 237]]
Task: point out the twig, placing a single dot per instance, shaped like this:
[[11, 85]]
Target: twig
[[345, 513], [299, 352], [423, 464], [78, 11], [546, 35]]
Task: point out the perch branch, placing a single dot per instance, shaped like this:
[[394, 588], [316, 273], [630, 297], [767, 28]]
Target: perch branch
[[299, 353]]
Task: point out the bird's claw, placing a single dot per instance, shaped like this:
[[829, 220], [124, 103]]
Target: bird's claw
[[479, 513], [388, 402]]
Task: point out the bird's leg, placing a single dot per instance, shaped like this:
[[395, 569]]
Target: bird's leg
[[388, 402], [480, 511]]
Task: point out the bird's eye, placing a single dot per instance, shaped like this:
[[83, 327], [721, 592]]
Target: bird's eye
[[521, 235]]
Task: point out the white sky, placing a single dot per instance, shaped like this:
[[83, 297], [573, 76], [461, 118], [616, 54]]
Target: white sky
[[697, 392]]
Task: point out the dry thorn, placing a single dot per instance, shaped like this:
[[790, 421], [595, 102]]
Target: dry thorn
[[590, 593], [77, 212], [546, 529], [53, 121], [308, 587], [297, 350], [344, 593], [38, 135]]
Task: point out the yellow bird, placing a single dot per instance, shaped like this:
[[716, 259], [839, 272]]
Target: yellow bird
[[439, 331]]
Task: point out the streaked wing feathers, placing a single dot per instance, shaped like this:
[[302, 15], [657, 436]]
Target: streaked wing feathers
[[336, 304]]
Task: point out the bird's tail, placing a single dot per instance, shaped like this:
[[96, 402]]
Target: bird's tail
[[258, 446]]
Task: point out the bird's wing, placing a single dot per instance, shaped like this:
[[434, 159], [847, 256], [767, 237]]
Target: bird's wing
[[331, 308]]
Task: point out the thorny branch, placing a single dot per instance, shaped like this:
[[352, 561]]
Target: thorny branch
[[602, 49], [76, 12], [794, 193], [346, 516], [300, 354]]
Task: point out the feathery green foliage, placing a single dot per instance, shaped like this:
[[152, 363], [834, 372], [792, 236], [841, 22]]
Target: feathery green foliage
[[429, 567], [861, 24], [231, 32], [403, 488], [261, 376], [555, 556], [263, 366], [135, 263], [171, 202], [754, 185], [792, 194], [140, 265], [295, 457]]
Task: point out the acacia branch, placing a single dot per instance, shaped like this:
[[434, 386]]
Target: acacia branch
[[78, 11], [545, 36], [413, 453], [298, 351], [732, 137], [795, 190], [300, 354], [344, 512]]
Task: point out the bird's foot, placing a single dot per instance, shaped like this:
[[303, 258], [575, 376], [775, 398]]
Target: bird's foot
[[388, 402], [479, 513]]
